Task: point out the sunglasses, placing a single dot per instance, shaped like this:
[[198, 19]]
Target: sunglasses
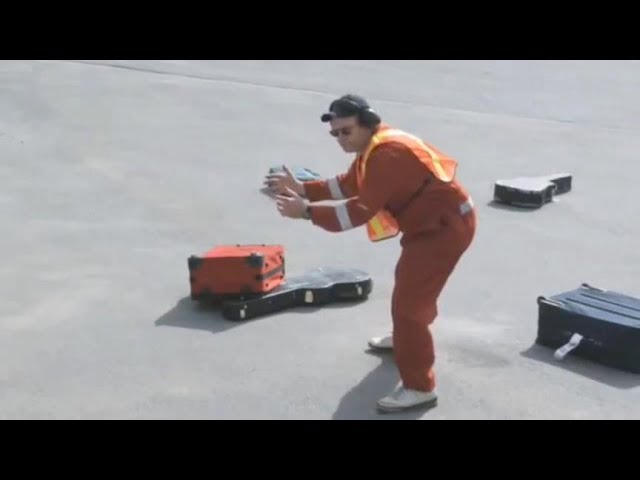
[[345, 131]]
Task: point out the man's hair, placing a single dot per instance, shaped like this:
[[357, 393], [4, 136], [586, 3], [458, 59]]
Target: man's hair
[[353, 105]]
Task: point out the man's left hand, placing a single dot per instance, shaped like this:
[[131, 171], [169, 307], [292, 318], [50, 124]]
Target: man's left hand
[[291, 205]]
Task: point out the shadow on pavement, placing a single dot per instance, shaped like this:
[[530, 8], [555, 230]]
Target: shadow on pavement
[[359, 403], [594, 371], [503, 206], [202, 316], [189, 314]]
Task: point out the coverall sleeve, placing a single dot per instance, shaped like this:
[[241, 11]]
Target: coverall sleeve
[[336, 188], [382, 177]]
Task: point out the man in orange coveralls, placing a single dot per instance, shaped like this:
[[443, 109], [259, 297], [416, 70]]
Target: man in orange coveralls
[[397, 183]]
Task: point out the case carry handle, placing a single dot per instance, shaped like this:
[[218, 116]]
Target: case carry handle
[[573, 343]]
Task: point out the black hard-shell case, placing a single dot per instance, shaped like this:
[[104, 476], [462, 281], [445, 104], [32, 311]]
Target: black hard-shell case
[[531, 192], [319, 286]]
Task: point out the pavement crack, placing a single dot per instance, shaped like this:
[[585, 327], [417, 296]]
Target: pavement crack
[[201, 77], [237, 81]]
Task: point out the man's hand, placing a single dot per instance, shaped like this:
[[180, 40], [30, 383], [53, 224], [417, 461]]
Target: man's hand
[[291, 205], [279, 183]]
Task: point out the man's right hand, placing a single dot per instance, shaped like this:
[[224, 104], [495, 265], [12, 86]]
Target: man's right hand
[[278, 183]]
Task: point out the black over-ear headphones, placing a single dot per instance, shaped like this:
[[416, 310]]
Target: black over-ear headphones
[[367, 116]]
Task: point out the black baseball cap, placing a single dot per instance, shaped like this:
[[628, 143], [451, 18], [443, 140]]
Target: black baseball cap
[[345, 106]]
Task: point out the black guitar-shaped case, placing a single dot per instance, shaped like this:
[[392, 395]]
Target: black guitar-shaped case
[[320, 286], [531, 192]]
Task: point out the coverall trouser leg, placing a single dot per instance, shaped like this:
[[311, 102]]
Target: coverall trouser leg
[[425, 265]]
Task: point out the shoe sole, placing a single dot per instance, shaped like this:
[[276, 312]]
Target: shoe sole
[[377, 347], [425, 405]]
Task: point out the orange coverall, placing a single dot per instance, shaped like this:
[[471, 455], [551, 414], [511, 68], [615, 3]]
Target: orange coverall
[[436, 232]]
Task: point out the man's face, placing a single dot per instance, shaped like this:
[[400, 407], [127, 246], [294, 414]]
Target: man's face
[[352, 137]]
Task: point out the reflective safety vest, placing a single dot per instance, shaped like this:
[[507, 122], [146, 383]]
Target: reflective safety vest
[[384, 225]]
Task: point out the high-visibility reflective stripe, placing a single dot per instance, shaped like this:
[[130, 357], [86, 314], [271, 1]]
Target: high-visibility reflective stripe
[[374, 141], [435, 158], [343, 217], [441, 173], [381, 227], [399, 133], [377, 227], [334, 188], [466, 207]]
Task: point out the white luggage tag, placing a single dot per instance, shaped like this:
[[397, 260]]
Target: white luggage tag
[[563, 351]]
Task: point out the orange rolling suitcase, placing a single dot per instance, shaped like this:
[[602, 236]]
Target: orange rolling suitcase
[[236, 271]]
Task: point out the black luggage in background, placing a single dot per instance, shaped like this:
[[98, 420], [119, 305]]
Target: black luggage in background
[[602, 326], [562, 181], [531, 192]]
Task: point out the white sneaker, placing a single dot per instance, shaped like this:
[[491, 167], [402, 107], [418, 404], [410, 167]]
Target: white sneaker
[[404, 398], [381, 343]]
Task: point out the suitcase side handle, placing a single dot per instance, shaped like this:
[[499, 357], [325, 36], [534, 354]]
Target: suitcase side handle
[[572, 344], [272, 273]]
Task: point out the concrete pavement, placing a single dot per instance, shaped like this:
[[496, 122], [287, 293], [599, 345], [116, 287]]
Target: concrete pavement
[[113, 173]]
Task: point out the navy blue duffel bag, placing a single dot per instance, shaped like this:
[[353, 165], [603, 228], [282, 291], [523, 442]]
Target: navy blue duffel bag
[[600, 325]]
